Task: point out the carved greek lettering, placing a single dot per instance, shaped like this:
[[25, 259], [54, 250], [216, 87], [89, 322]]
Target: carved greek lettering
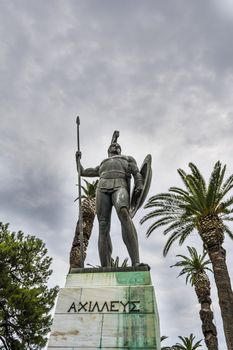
[[96, 305], [112, 307], [133, 306], [82, 306], [124, 305], [72, 307], [105, 305], [90, 303]]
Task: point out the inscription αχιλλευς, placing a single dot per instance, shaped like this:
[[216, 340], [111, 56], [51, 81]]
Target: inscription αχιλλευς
[[107, 306]]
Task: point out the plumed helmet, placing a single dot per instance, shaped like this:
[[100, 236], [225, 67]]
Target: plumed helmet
[[114, 141]]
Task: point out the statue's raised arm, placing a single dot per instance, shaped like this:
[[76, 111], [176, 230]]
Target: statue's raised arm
[[88, 172]]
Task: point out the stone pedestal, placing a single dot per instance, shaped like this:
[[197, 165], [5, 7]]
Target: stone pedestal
[[106, 309]]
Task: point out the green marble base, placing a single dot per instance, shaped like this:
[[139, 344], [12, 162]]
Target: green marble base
[[100, 309]]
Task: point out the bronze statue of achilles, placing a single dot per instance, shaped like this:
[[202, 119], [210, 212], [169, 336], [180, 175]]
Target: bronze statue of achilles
[[114, 190]]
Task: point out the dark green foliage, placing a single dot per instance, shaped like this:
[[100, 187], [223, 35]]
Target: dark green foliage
[[25, 299], [89, 190], [182, 209], [188, 343], [195, 267], [114, 263], [203, 207], [192, 266], [173, 347]]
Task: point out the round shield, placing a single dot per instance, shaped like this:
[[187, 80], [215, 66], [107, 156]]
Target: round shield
[[137, 200]]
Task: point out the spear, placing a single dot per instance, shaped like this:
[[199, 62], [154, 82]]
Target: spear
[[79, 194]]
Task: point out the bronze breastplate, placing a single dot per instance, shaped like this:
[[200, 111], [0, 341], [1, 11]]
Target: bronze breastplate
[[113, 168]]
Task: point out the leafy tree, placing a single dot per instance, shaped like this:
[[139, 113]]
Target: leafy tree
[[188, 343], [25, 299], [194, 267], [202, 207], [88, 217]]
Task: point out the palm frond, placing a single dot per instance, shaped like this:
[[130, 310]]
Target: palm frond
[[163, 197], [182, 210], [163, 337], [196, 174], [221, 177], [186, 232], [213, 186], [158, 223], [188, 343], [187, 198], [225, 204], [90, 189], [185, 195], [192, 265], [169, 200], [226, 218], [228, 231], [76, 199], [221, 207], [153, 214], [227, 183], [225, 191], [174, 225], [183, 176], [174, 236], [180, 191], [198, 195]]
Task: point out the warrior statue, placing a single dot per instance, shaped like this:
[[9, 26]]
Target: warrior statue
[[113, 190]]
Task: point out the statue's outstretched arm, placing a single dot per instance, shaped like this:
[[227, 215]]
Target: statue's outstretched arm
[[88, 172]]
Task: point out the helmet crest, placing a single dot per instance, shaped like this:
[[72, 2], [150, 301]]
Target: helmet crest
[[114, 141]]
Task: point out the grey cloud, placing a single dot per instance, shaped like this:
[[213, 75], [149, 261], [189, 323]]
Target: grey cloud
[[161, 73]]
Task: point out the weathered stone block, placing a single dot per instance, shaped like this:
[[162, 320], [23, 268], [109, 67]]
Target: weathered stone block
[[106, 310]]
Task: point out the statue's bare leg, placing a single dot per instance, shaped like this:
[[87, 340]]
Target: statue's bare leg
[[103, 211], [129, 233]]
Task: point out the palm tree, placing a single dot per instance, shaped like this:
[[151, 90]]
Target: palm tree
[[194, 267], [188, 343], [173, 347], [88, 212], [114, 263], [202, 207]]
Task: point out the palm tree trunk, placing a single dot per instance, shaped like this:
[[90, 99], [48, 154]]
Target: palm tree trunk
[[75, 252], [202, 289], [223, 283], [88, 210], [211, 231]]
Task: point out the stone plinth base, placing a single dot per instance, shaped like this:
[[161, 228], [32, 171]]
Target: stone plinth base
[[106, 309]]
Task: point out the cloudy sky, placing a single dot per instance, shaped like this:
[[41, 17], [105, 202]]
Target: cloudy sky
[[159, 71]]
